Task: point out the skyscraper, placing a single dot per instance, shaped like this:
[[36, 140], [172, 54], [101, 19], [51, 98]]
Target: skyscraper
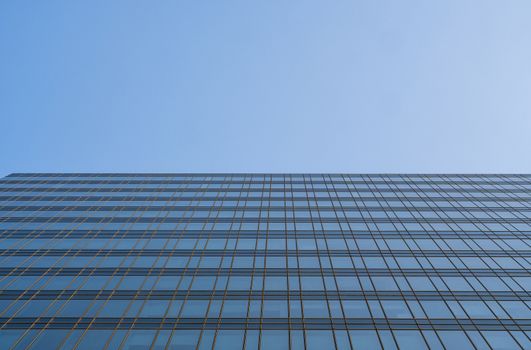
[[265, 261]]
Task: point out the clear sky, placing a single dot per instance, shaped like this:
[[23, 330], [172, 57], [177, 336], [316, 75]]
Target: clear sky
[[265, 86]]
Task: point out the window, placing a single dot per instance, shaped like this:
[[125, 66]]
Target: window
[[410, 340], [319, 340], [455, 340], [275, 339], [364, 340], [228, 340]]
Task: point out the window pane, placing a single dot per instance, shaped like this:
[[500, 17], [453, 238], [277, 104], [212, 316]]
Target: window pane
[[455, 340], [500, 340], [364, 340], [184, 339], [138, 339], [228, 340], [319, 340], [275, 339], [410, 340]]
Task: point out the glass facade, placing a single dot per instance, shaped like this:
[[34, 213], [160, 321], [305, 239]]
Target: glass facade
[[265, 261]]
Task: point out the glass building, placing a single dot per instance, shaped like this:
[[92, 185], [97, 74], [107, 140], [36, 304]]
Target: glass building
[[265, 261]]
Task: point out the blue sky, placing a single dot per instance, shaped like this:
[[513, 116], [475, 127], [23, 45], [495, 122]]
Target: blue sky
[[265, 86]]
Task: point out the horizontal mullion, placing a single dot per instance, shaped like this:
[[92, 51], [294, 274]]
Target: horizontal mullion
[[261, 252], [172, 294], [262, 323], [158, 271]]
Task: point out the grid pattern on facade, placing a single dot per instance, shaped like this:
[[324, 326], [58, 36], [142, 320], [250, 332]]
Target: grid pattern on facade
[[265, 261]]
